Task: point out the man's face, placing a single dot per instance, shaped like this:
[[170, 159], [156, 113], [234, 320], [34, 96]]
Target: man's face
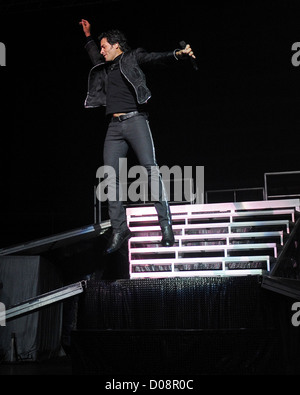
[[110, 52]]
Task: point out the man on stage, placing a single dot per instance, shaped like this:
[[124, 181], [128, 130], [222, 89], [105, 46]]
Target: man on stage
[[117, 82]]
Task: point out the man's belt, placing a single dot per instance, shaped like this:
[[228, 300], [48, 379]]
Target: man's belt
[[123, 117]]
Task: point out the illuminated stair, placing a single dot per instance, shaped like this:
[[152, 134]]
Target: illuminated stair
[[231, 239]]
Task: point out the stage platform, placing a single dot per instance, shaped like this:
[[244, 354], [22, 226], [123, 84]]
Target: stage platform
[[196, 308], [184, 326], [204, 306]]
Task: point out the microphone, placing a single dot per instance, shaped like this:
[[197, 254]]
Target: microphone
[[193, 61]]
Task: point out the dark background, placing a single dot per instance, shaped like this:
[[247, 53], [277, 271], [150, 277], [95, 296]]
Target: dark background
[[238, 115]]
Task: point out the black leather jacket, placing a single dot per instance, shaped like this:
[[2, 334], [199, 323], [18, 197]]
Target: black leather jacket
[[130, 62]]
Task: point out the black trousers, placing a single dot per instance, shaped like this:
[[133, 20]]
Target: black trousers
[[134, 132]]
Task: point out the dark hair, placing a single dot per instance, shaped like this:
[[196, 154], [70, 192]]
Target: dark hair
[[115, 36]]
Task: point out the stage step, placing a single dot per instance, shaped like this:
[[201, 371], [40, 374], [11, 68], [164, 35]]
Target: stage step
[[211, 239], [226, 215], [191, 267]]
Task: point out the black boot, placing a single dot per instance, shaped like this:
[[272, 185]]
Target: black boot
[[116, 240], [167, 236]]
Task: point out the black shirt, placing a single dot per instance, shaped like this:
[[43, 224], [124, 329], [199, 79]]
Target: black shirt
[[120, 94]]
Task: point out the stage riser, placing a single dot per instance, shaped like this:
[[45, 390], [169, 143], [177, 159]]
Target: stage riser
[[184, 326], [176, 303], [176, 353]]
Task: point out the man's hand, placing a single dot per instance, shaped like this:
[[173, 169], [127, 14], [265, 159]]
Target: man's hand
[[86, 27], [186, 51]]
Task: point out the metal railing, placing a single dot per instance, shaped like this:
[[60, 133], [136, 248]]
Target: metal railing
[[288, 262], [284, 277], [234, 193], [288, 182]]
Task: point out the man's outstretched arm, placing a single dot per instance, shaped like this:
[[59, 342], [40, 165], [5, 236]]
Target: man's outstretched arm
[[160, 57]]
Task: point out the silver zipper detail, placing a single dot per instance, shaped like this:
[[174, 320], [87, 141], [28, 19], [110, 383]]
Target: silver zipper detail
[[131, 82]]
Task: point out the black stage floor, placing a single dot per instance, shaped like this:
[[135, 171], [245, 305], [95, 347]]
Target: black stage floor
[[61, 366]]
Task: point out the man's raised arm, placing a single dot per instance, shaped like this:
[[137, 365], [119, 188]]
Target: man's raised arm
[[86, 27], [91, 46]]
